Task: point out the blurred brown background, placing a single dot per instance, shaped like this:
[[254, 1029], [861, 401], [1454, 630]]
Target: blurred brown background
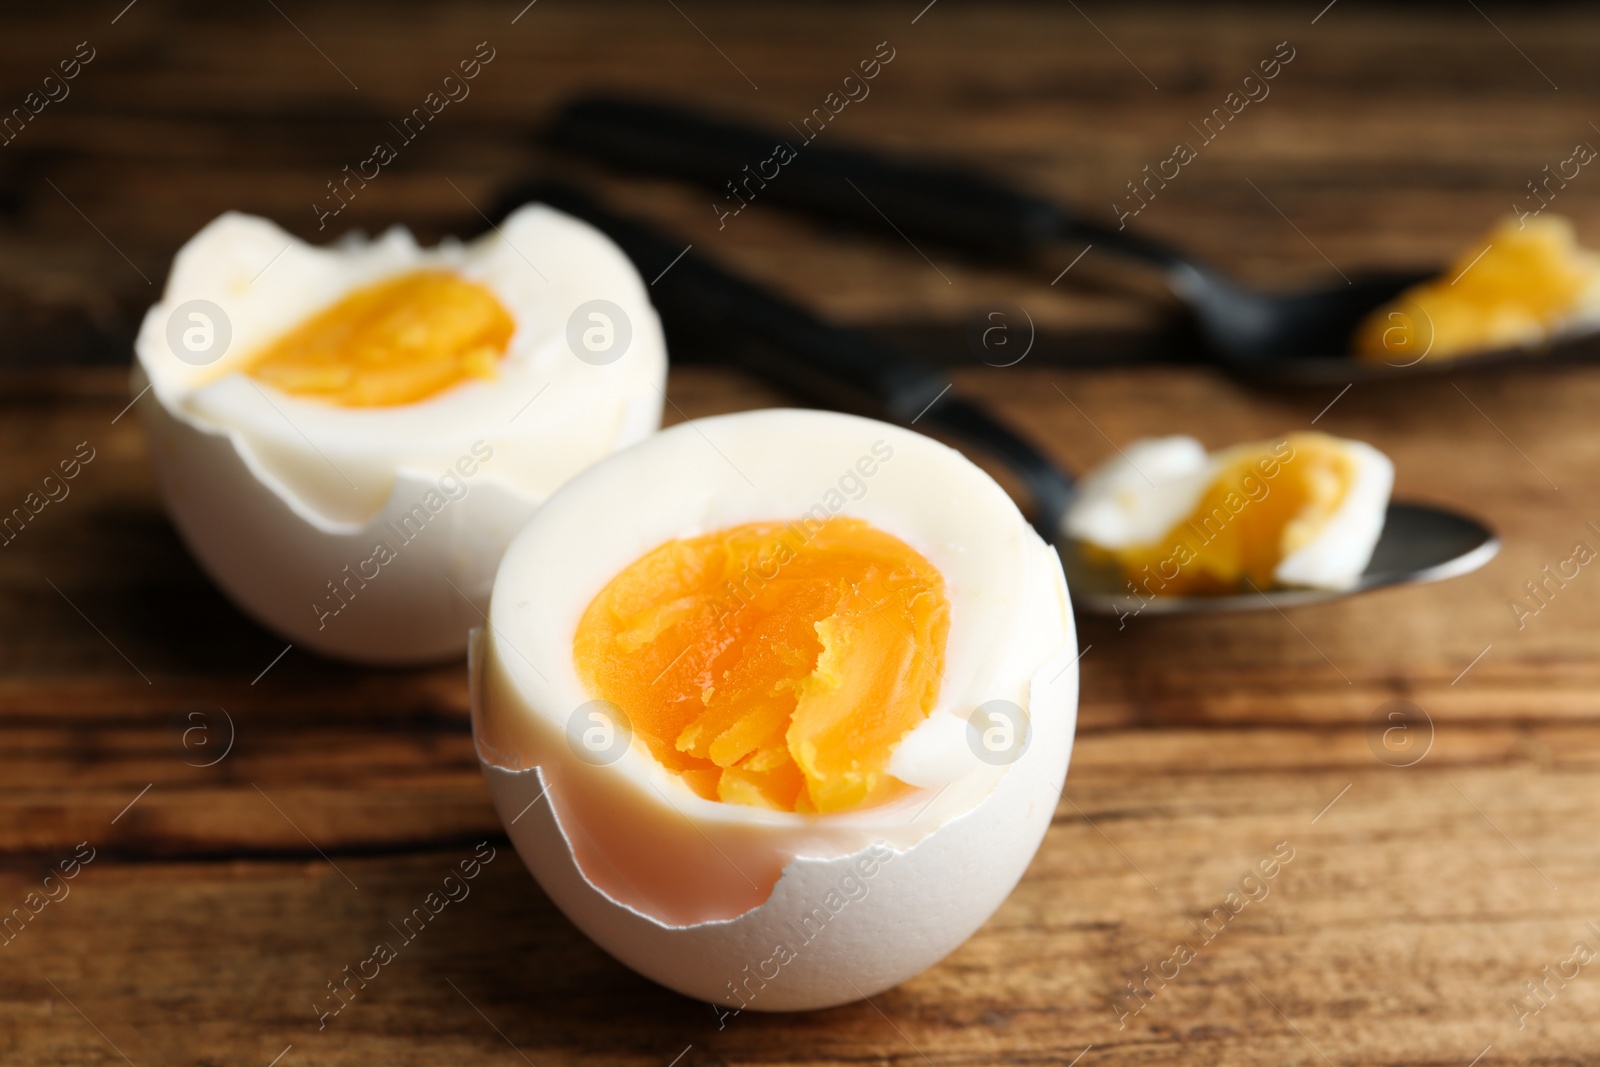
[[1421, 900], [1391, 139]]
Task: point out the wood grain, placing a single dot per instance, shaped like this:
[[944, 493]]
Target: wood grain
[[221, 903], [222, 898]]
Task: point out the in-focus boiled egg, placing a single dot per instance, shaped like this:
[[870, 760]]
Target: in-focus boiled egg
[[1305, 510], [777, 706], [348, 436]]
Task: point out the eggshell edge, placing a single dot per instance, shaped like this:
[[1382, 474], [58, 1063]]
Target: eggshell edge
[[940, 891], [273, 561]]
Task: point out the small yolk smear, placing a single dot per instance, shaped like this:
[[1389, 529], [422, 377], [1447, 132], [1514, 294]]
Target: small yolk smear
[[1521, 281], [1266, 501], [398, 341], [773, 664]]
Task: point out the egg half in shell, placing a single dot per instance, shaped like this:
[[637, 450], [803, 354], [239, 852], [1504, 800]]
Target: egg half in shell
[[347, 436], [777, 706]]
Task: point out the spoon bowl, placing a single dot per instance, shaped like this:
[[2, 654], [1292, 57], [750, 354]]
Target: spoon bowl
[[1301, 336], [1419, 544]]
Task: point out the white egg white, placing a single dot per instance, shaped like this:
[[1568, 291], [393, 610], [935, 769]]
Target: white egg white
[[287, 501], [690, 891], [1136, 496], [1336, 553]]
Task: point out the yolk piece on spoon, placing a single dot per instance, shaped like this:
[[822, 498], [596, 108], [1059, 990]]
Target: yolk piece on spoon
[[1522, 280], [1265, 501], [773, 664], [398, 341]]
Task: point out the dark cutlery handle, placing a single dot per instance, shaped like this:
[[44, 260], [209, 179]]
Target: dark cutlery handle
[[741, 165], [826, 364], [823, 364]]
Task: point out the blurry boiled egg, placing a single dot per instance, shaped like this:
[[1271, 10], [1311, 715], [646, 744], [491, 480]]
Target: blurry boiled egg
[[1524, 282], [348, 436], [777, 706], [1305, 510]]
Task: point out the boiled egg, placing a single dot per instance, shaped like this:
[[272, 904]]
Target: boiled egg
[[1305, 510], [777, 706], [347, 436], [1525, 281]]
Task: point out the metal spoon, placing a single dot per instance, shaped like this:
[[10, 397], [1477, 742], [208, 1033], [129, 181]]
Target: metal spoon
[[838, 367], [1299, 336]]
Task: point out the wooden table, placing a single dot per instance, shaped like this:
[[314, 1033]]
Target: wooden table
[[230, 882]]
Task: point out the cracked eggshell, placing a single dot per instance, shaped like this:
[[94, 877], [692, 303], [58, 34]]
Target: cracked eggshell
[[307, 514], [744, 907], [274, 561]]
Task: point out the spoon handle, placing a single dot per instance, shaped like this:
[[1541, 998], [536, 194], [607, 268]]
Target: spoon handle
[[824, 364], [744, 164]]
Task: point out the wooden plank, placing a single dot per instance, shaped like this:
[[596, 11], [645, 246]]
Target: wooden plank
[[1396, 934], [1414, 908]]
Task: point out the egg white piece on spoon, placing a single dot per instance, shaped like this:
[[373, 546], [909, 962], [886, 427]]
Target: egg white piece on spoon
[[360, 507], [1305, 511], [862, 597]]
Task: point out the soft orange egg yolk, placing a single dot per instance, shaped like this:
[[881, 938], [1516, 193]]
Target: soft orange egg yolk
[[1521, 280], [1267, 501], [773, 664], [398, 341]]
